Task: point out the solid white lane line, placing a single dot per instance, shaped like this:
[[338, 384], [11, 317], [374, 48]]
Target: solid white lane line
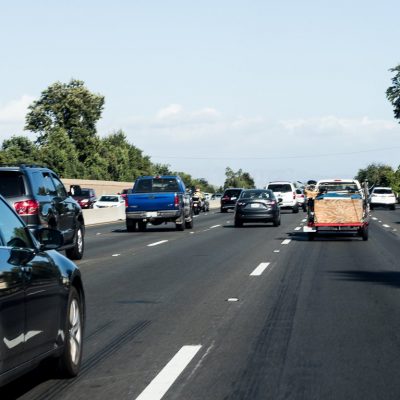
[[386, 226], [157, 243], [286, 241], [260, 269], [168, 375], [297, 228], [214, 226]]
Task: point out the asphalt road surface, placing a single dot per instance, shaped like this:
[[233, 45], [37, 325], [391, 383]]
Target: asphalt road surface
[[219, 312]]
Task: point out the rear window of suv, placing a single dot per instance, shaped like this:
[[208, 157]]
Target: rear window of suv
[[156, 185], [382, 191], [232, 192], [12, 184], [280, 187]]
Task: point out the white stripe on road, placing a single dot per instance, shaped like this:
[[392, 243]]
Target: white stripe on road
[[304, 220], [214, 226], [297, 228], [157, 243], [260, 269], [386, 226], [116, 255], [374, 218], [168, 375], [276, 251], [286, 241]]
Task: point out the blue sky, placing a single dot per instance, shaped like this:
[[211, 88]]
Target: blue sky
[[283, 90]]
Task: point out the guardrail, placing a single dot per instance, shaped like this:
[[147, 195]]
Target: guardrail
[[95, 216]]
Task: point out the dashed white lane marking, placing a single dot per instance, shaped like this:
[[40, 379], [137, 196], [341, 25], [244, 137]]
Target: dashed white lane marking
[[168, 375], [214, 226], [374, 218], [157, 243], [297, 228], [232, 299], [304, 220], [260, 269], [386, 226], [380, 222], [116, 255], [98, 233], [277, 251], [286, 241]]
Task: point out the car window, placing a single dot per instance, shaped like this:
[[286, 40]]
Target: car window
[[12, 230], [382, 191], [60, 189], [256, 194], [12, 184], [280, 187], [109, 198], [156, 185], [233, 192], [43, 184]]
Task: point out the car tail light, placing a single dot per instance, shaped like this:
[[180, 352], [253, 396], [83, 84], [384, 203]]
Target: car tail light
[[302, 196], [225, 198], [176, 201], [27, 207], [126, 201]]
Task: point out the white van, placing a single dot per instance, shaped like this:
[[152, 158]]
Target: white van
[[287, 192]]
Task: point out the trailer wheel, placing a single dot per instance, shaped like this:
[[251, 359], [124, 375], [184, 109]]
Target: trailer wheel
[[364, 233]]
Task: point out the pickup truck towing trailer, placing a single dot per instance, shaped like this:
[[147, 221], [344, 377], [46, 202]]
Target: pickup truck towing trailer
[[337, 205], [157, 200]]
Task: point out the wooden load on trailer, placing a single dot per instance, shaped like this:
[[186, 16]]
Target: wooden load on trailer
[[337, 205]]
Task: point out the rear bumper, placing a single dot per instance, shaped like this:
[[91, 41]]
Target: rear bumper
[[153, 215], [264, 216]]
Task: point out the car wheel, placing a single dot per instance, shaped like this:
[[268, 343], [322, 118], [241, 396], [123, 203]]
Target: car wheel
[[223, 210], [276, 221], [295, 209], [142, 226], [70, 360], [130, 225], [363, 232], [238, 223], [76, 252], [371, 207], [304, 207], [393, 207]]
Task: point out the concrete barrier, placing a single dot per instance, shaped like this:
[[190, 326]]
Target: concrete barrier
[[102, 215], [95, 216]]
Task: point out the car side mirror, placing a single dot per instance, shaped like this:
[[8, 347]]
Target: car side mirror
[[50, 239]]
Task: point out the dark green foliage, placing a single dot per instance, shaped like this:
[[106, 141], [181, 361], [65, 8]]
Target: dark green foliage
[[393, 92], [238, 179]]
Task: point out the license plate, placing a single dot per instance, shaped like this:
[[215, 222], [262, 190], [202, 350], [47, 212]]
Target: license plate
[[255, 205], [151, 214]]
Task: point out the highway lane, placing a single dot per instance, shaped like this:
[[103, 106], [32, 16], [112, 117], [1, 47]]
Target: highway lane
[[319, 319]]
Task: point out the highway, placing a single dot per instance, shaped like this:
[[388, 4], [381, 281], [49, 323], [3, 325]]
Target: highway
[[222, 313]]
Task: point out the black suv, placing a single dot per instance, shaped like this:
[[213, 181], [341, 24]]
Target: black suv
[[40, 199], [229, 198]]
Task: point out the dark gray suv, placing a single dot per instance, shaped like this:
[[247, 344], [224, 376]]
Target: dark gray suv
[[40, 199]]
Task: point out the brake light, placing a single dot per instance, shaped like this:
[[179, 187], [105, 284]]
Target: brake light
[[126, 201], [176, 201], [225, 198], [27, 207]]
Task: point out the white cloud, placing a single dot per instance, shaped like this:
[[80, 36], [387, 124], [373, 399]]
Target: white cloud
[[15, 110], [173, 110]]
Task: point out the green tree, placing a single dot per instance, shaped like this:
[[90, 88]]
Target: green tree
[[377, 175], [59, 154], [238, 179], [71, 107], [393, 92], [19, 149]]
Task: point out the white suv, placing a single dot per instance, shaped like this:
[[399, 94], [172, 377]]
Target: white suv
[[382, 196], [287, 192]]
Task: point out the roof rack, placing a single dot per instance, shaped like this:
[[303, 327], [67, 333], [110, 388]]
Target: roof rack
[[22, 165]]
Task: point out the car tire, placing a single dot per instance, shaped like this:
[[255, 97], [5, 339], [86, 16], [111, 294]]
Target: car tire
[[393, 207], [238, 223], [364, 233], [223, 210], [189, 224], [76, 252], [142, 226], [276, 221], [295, 209], [371, 207], [130, 225], [70, 360]]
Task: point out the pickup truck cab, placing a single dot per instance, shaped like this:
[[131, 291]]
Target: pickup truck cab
[[157, 200]]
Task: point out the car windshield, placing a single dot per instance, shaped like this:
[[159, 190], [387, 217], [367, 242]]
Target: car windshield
[[280, 187], [109, 198], [256, 194], [85, 193], [382, 191], [156, 185]]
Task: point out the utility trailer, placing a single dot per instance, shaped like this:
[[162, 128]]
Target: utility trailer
[[337, 205]]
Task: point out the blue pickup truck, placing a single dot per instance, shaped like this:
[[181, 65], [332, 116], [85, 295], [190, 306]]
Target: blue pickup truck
[[158, 199]]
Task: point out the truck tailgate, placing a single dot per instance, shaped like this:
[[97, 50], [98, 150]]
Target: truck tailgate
[[151, 202], [341, 211]]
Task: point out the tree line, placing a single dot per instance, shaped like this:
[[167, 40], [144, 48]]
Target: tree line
[[64, 119]]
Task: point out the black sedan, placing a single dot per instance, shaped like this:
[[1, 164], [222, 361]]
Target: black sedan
[[42, 300], [257, 205]]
